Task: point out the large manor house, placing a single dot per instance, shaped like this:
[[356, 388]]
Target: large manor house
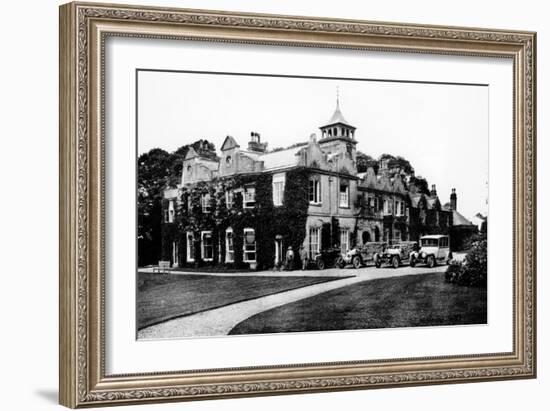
[[245, 206]]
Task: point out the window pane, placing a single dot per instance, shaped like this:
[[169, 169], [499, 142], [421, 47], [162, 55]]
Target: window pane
[[314, 235], [207, 248], [190, 247], [278, 188], [344, 241], [249, 246]]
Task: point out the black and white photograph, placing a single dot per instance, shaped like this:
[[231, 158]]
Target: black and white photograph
[[289, 204]]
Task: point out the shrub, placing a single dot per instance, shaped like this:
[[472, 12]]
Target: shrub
[[473, 270], [454, 272]]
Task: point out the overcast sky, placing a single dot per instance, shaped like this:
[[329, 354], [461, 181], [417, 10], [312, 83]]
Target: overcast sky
[[441, 129]]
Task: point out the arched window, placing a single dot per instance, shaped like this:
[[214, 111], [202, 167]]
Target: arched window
[[365, 237], [189, 169], [228, 161]]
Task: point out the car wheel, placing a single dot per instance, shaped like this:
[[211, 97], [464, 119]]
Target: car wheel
[[413, 262], [431, 261], [356, 262], [320, 264], [377, 262], [395, 262], [339, 262]]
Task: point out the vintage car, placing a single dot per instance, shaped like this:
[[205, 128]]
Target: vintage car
[[362, 255], [396, 254], [328, 258], [433, 249]]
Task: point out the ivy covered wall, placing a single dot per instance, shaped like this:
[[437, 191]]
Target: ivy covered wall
[[267, 220]]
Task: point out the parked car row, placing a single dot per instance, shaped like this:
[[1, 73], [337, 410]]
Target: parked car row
[[433, 250]]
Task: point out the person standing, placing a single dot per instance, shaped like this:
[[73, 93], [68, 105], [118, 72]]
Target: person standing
[[289, 258], [303, 257]]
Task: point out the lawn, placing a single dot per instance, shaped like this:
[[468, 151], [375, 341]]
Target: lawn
[[163, 297], [409, 301]]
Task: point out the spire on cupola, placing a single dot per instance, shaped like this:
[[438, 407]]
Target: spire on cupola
[[338, 127]]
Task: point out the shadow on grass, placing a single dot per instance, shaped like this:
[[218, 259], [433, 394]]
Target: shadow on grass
[[410, 301], [164, 297]]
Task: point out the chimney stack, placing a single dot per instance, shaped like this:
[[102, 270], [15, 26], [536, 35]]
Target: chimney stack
[[433, 191], [453, 199], [255, 143]]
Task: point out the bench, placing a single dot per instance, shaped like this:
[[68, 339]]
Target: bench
[[163, 267]]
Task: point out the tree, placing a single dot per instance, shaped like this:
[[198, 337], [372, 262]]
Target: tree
[[157, 170], [421, 185], [395, 162], [364, 161], [153, 170]]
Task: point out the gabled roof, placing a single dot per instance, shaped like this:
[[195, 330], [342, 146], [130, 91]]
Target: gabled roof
[[433, 202], [229, 143], [398, 185], [415, 199], [459, 219], [191, 153], [204, 155]]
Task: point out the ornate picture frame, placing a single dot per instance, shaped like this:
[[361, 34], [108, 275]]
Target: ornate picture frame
[[84, 28]]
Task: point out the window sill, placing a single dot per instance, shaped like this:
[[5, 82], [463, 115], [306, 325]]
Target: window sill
[[316, 204]]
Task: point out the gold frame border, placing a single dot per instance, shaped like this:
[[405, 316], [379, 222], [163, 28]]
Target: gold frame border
[[83, 29]]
